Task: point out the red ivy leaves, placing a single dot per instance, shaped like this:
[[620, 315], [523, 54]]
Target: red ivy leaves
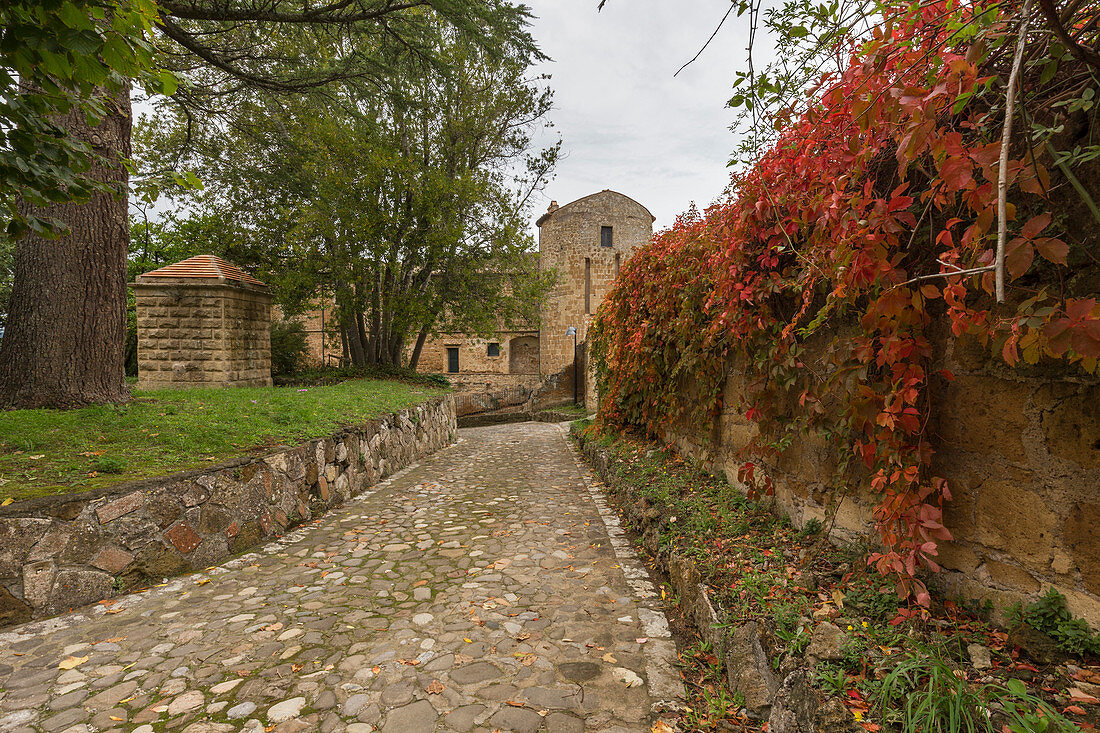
[[807, 232]]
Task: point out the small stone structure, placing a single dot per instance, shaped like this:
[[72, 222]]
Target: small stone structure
[[59, 552], [203, 322]]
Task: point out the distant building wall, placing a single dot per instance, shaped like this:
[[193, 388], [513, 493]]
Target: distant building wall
[[473, 353], [586, 241]]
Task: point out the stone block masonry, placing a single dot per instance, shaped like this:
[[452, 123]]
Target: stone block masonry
[[61, 552], [202, 322]]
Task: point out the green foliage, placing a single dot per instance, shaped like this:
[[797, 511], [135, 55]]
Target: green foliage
[[166, 431], [923, 693], [439, 380], [288, 347], [410, 234], [106, 464], [1050, 615], [57, 56]]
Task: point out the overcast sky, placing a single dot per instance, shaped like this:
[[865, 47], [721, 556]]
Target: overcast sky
[[626, 123]]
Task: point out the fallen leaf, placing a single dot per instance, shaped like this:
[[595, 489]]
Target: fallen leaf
[[642, 639], [609, 659], [116, 718], [1077, 695], [661, 727], [435, 687], [70, 662], [1075, 709], [38, 457], [7, 501]]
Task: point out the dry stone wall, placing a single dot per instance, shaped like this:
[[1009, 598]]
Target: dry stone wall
[[57, 553], [1021, 453]]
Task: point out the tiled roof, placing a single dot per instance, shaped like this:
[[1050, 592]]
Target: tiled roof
[[205, 266]]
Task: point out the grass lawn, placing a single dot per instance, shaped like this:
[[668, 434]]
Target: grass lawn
[[44, 452]]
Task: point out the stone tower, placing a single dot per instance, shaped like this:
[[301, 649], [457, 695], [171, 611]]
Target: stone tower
[[586, 241]]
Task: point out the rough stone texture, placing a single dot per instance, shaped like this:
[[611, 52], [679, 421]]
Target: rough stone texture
[[533, 585], [1020, 452], [799, 709], [569, 240], [748, 670], [202, 332], [144, 532]]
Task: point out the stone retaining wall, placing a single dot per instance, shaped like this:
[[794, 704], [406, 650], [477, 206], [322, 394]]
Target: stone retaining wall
[[1020, 451], [61, 552]]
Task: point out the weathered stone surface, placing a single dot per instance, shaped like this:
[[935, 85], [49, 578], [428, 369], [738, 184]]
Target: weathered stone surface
[[155, 561], [827, 642], [119, 507], [17, 537], [1082, 534], [112, 559], [1035, 644], [12, 610], [799, 709], [748, 670], [183, 537], [74, 588]]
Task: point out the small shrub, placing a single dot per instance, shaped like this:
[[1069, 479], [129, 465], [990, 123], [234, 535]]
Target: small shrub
[[106, 464], [288, 347], [1050, 615], [438, 380]]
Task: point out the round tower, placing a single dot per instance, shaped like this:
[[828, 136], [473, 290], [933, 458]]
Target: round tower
[[586, 241]]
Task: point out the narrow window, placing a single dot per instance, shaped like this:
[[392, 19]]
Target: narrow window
[[616, 264], [494, 349], [606, 239], [452, 359], [587, 285]]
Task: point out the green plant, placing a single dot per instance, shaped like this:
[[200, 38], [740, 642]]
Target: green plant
[[438, 380], [107, 464], [1050, 615], [831, 678], [811, 527], [925, 694], [288, 347]]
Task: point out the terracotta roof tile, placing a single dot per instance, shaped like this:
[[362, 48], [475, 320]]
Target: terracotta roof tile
[[205, 266]]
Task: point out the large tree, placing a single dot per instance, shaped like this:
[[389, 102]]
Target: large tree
[[408, 206], [65, 101]]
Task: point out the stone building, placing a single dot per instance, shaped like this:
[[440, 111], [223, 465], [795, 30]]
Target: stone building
[[202, 322], [585, 242]]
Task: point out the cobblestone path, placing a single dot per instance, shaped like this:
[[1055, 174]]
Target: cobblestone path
[[486, 588]]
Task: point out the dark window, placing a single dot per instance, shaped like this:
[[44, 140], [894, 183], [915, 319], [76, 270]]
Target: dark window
[[606, 239], [494, 349], [452, 359]]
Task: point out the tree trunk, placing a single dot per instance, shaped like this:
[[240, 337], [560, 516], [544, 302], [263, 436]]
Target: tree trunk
[[66, 330], [414, 358]]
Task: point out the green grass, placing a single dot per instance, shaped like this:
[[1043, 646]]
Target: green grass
[[45, 452]]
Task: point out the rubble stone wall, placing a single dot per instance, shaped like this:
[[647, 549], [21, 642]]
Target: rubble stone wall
[[61, 552], [1020, 452]]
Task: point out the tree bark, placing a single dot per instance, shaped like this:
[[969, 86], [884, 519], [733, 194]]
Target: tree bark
[[414, 358], [66, 330]]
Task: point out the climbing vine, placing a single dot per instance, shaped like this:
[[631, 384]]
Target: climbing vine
[[871, 221]]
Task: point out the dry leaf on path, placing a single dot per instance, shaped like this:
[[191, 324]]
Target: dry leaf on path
[[435, 687], [71, 662]]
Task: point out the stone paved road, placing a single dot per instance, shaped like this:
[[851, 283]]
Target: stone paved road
[[485, 588]]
